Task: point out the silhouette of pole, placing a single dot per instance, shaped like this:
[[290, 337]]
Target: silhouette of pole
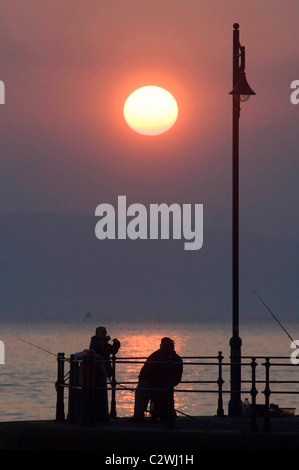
[[241, 92], [235, 404]]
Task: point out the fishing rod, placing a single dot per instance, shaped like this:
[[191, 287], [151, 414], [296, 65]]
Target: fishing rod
[[38, 347], [178, 411], [260, 298], [185, 414]]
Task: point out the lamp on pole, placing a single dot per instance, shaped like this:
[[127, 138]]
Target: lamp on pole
[[241, 92]]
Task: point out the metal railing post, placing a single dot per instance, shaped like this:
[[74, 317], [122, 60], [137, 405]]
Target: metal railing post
[[87, 391], [170, 415], [267, 393], [71, 390], [84, 394], [60, 388], [253, 393], [91, 389], [113, 388], [220, 382]]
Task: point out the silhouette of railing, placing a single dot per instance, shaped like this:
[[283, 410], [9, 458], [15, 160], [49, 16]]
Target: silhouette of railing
[[87, 387], [215, 361], [267, 409]]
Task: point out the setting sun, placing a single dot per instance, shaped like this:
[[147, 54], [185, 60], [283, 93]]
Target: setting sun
[[150, 110]]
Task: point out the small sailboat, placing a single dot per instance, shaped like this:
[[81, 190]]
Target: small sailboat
[[88, 314]]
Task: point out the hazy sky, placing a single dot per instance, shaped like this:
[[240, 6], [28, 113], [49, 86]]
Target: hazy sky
[[68, 67]]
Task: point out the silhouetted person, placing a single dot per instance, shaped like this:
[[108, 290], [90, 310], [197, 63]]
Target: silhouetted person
[[100, 344], [156, 374]]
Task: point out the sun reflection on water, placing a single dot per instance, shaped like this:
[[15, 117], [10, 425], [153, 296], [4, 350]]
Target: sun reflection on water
[[28, 377]]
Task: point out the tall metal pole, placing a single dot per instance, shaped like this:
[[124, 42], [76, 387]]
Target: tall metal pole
[[235, 404]]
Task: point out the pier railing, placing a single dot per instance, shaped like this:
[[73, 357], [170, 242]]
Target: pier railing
[[268, 410], [80, 377]]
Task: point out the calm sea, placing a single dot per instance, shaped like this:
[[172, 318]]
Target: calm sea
[[28, 376]]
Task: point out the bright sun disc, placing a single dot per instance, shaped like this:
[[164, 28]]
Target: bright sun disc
[[150, 110]]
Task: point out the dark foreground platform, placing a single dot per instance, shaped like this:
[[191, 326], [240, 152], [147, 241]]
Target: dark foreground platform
[[121, 436]]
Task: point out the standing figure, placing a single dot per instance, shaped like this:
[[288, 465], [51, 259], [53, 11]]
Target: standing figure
[[100, 344], [163, 369]]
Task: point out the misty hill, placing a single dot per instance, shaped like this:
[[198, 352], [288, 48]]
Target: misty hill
[[52, 264]]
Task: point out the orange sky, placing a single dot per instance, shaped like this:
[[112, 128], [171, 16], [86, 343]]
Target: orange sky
[[69, 66]]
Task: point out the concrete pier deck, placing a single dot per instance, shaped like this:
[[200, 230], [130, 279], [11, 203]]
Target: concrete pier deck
[[204, 433]]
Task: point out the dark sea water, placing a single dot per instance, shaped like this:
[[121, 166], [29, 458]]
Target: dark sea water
[[27, 379]]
